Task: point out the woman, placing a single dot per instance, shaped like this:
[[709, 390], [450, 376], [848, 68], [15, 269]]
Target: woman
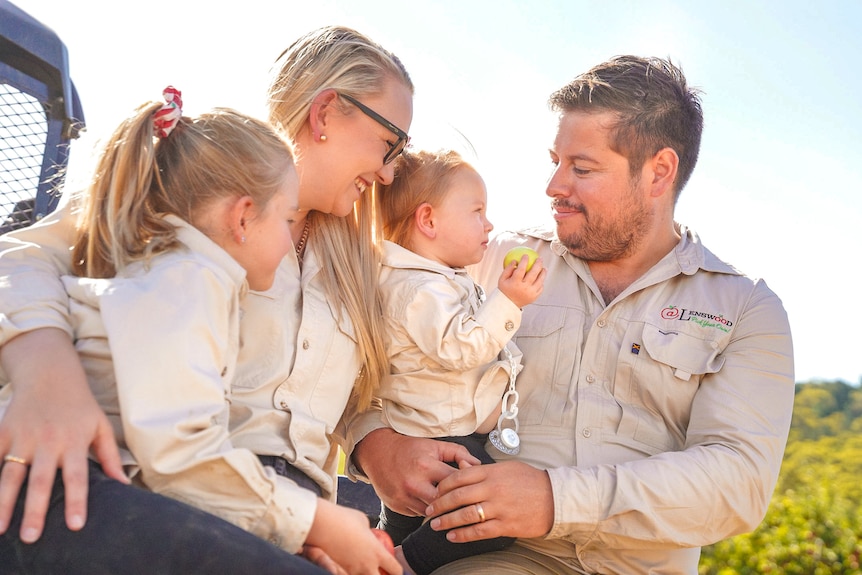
[[346, 105]]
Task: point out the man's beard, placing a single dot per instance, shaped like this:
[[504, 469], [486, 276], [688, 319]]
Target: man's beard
[[603, 239]]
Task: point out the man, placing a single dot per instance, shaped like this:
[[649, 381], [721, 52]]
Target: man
[[658, 385]]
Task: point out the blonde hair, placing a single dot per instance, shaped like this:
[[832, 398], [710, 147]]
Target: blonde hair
[[139, 178], [342, 59], [420, 177]]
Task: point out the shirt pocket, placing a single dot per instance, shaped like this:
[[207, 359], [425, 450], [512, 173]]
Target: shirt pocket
[[656, 382], [550, 338]]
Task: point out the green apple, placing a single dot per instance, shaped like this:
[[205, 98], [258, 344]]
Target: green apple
[[516, 253]]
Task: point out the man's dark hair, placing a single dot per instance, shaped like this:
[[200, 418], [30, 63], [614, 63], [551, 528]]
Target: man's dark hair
[[653, 104]]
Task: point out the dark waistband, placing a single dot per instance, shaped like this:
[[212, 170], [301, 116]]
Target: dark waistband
[[285, 469]]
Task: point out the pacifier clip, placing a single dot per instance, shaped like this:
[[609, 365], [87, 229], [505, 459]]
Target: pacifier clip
[[506, 439]]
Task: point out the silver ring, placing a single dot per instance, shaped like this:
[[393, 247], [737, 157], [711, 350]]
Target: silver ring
[[481, 512], [15, 459]]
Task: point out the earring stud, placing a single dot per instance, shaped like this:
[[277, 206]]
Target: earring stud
[[322, 137]]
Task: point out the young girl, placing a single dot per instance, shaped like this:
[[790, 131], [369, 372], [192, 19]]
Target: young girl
[[184, 217], [449, 345]]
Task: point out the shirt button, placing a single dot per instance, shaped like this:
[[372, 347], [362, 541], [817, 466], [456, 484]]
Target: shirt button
[[601, 323], [283, 404], [223, 371], [305, 344], [591, 379], [510, 325], [587, 433]]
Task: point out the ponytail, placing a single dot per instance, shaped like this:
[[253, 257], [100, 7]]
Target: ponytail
[[140, 177]]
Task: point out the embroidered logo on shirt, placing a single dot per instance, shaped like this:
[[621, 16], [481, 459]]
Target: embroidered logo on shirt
[[701, 318]]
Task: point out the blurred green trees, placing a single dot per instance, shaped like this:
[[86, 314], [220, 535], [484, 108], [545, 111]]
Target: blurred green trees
[[814, 523]]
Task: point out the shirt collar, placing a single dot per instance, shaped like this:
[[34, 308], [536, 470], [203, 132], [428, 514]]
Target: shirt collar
[[197, 242], [691, 255], [396, 256]]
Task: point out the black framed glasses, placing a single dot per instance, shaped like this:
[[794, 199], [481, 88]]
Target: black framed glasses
[[403, 138]]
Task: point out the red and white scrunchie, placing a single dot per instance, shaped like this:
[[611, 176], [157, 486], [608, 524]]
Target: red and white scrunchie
[[165, 119]]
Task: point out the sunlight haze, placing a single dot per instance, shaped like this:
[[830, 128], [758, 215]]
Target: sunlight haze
[[778, 188]]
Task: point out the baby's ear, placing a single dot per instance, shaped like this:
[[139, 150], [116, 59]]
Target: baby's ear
[[423, 217]]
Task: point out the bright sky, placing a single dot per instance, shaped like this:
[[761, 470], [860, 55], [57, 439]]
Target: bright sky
[[778, 188]]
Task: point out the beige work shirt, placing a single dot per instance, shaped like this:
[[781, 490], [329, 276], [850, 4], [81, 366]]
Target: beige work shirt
[[293, 377], [661, 417], [443, 340]]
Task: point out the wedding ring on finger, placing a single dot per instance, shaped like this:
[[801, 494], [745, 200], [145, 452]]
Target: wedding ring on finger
[[480, 512], [15, 459]]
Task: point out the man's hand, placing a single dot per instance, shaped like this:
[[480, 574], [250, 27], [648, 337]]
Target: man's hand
[[405, 470], [515, 499]]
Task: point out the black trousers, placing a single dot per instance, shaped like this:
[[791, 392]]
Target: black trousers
[[426, 549], [132, 531]]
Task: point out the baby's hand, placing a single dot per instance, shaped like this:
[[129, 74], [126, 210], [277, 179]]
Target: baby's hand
[[522, 283]]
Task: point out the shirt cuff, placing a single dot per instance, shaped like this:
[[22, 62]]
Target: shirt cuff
[[31, 320], [576, 512], [290, 516], [499, 316], [361, 426]]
